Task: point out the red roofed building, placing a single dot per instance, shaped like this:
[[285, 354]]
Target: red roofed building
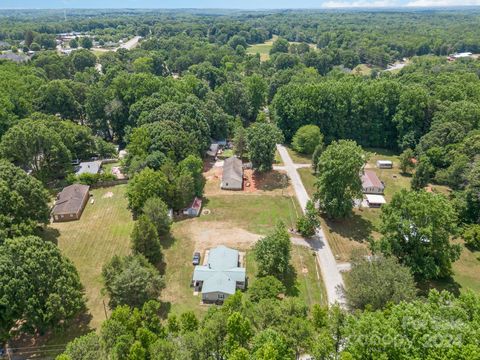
[[195, 208], [371, 184]]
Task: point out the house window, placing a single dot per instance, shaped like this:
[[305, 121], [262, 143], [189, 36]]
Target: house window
[[221, 296]]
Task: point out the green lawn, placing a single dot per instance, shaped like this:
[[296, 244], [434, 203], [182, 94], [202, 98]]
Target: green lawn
[[363, 70], [466, 270], [262, 49], [177, 296], [299, 158], [107, 168], [308, 180], [103, 231], [255, 213]]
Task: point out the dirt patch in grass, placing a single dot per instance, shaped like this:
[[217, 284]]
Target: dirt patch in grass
[[269, 183], [207, 235], [107, 195]]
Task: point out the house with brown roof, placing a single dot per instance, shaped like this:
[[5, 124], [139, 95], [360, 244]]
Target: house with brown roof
[[70, 203], [371, 184]]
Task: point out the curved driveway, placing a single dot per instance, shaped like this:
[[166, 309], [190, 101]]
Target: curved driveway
[[331, 275]]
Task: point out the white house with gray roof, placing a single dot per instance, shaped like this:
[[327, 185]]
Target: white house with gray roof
[[221, 276]]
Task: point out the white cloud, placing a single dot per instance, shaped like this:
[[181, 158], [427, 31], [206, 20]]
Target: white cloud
[[359, 4], [430, 3]]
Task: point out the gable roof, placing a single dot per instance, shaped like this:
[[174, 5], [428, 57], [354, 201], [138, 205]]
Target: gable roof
[[222, 273], [70, 199], [14, 57], [88, 167], [219, 283], [370, 179], [232, 169]]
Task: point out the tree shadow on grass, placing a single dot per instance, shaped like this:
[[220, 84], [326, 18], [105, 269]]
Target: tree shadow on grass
[[290, 282], [354, 227], [48, 234], [449, 284], [165, 307], [167, 240], [271, 180], [53, 342]]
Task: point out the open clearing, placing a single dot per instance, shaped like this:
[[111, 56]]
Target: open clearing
[[103, 231], [264, 48]]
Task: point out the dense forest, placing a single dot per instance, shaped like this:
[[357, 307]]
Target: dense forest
[[192, 80]]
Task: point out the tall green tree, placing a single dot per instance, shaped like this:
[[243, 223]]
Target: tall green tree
[[377, 281], [308, 223], [82, 59], [256, 93], [307, 138], [416, 228], [261, 144], [338, 180], [157, 211], [273, 252], [32, 145], [239, 141], [144, 185], [31, 300], [145, 240], [406, 160], [24, 202], [131, 280]]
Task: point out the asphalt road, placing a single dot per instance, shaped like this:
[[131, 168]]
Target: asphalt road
[[328, 266]]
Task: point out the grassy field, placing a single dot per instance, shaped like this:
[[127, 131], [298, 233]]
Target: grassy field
[[466, 270], [363, 70], [255, 213], [262, 49], [103, 231], [299, 158]]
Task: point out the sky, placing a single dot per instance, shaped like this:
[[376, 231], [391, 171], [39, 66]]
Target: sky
[[225, 4]]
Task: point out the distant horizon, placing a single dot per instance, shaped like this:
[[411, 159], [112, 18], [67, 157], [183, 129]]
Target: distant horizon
[[249, 5]]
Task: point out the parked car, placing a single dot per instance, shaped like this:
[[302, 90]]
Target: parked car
[[196, 258]]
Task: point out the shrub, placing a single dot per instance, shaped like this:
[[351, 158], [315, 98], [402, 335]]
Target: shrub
[[471, 235], [306, 139]]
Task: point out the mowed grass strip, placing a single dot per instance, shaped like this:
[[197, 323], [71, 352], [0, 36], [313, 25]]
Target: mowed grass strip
[[178, 271], [255, 213], [299, 158], [103, 231], [466, 270], [311, 289]]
